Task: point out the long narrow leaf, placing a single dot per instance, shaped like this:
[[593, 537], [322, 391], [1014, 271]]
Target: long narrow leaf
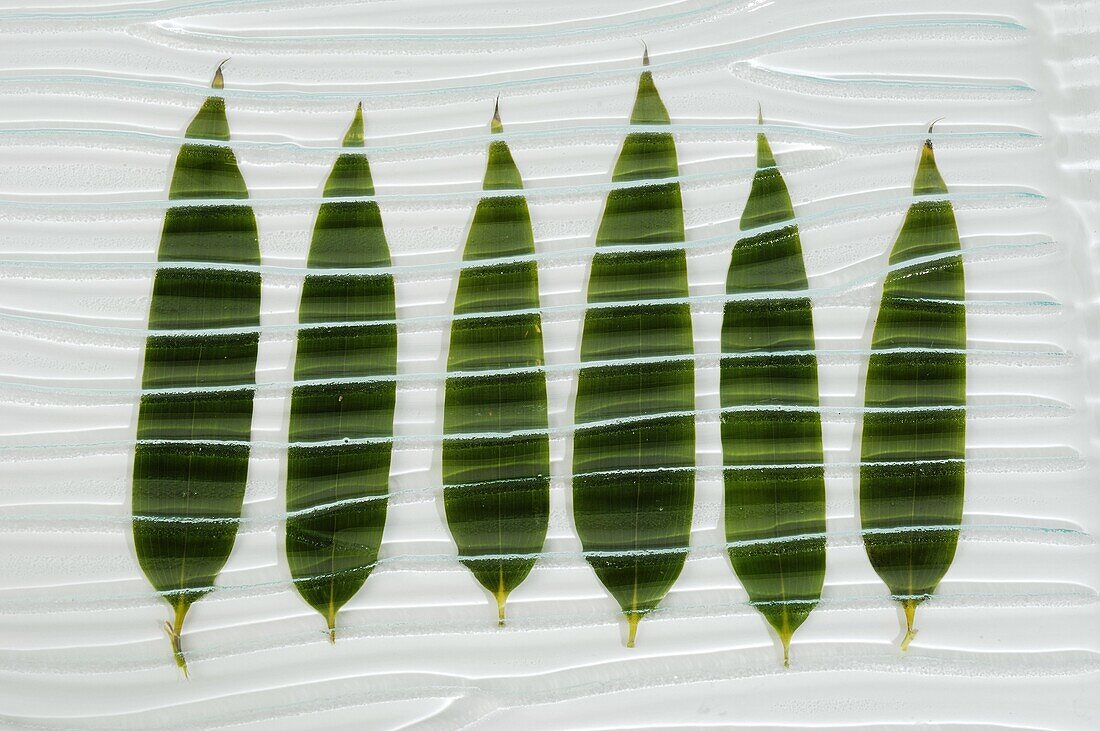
[[187, 497], [912, 473], [336, 493], [497, 488], [775, 495], [634, 522]]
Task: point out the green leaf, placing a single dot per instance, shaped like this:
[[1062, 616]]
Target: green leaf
[[336, 492], [496, 483], [634, 446], [187, 495], [914, 427], [775, 476]]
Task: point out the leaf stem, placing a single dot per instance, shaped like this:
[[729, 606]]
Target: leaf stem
[[502, 596], [632, 620], [174, 630], [331, 623], [909, 606]]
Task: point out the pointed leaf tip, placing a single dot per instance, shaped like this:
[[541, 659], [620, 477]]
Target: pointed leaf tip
[[648, 107], [645, 54], [928, 180], [765, 158], [495, 125], [219, 78], [355, 135], [928, 141]]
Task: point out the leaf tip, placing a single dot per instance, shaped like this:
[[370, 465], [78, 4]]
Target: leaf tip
[[759, 113], [927, 150], [928, 180], [355, 135], [648, 107], [219, 78], [495, 125], [785, 638]]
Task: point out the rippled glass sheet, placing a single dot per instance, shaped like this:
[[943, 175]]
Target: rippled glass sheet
[[97, 98]]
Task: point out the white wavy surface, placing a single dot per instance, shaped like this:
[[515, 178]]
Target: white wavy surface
[[93, 98]]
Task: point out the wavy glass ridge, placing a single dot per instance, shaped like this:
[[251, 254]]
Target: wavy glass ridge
[[87, 145]]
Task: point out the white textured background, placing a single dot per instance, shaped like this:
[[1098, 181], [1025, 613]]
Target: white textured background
[[93, 101]]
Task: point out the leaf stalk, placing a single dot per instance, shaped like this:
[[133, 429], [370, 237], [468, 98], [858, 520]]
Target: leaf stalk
[[174, 630], [909, 606], [632, 619]]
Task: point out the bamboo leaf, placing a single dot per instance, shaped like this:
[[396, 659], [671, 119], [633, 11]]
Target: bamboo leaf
[[775, 493], [336, 493], [633, 474], [912, 470], [497, 488], [187, 496]]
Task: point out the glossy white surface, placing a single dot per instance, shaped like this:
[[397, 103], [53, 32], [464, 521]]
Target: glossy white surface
[[93, 101]]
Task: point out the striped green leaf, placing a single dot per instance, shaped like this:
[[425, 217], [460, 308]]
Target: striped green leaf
[[336, 489], [771, 430], [496, 452], [912, 470], [191, 461], [634, 446]]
